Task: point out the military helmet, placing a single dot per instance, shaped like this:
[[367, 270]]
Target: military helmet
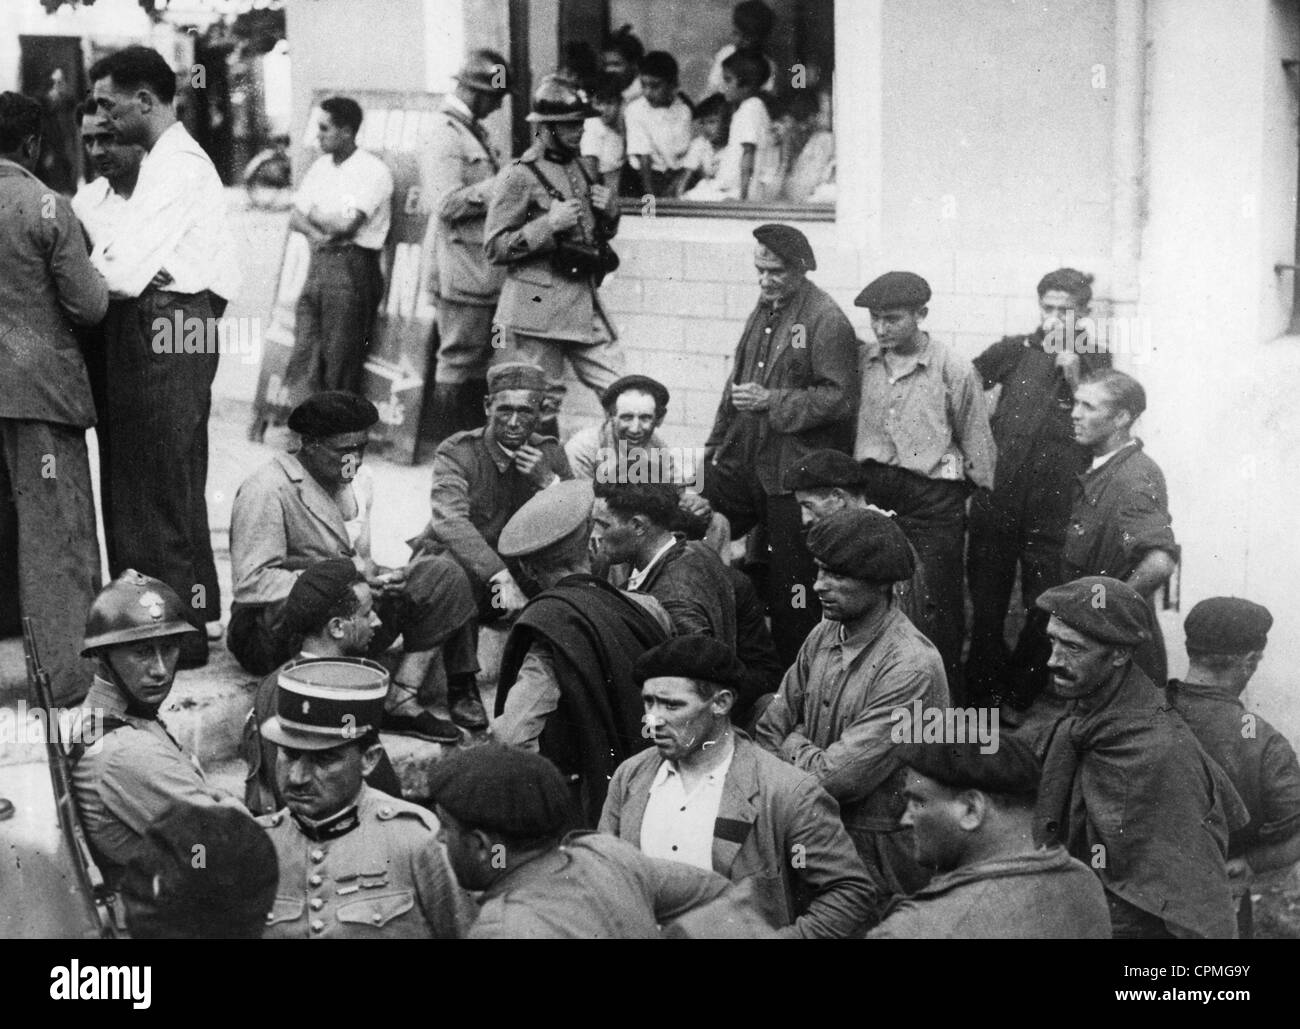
[[485, 71], [133, 607], [556, 100]]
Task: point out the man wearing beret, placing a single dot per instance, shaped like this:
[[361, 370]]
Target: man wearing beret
[[506, 818], [834, 712], [481, 477], [1226, 637], [793, 389], [707, 796], [1126, 787], [922, 413], [1021, 523], [330, 613], [972, 819], [566, 685], [355, 864], [827, 481], [299, 509]]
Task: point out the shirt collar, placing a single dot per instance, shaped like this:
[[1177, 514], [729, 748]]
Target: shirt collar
[[715, 775], [1098, 462], [638, 574], [1199, 689], [865, 636], [922, 357]]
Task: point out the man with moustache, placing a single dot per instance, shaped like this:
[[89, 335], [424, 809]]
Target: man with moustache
[[707, 796]]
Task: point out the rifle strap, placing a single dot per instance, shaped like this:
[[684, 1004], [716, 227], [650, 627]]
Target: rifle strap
[[109, 723]]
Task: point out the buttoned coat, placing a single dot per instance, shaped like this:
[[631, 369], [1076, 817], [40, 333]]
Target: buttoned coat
[[777, 827]]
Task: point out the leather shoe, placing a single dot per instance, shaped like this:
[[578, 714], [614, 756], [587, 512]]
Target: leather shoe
[[425, 726], [465, 704]]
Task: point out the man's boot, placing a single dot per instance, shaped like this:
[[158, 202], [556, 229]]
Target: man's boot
[[464, 702]]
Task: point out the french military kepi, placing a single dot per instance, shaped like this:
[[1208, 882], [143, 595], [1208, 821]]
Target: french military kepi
[[789, 244], [325, 702], [1227, 625], [548, 517], [894, 289], [332, 413], [690, 657], [1100, 607], [862, 545]]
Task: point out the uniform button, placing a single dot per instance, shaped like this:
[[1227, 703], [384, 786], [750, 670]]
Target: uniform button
[[377, 917], [270, 915], [314, 880], [318, 855], [386, 811], [316, 903], [317, 926], [674, 846]]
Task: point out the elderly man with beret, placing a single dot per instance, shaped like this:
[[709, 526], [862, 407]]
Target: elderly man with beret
[[566, 686], [299, 509], [707, 796], [922, 413], [1126, 787], [1226, 637], [355, 864], [481, 477], [793, 389], [507, 816], [972, 819], [834, 713]]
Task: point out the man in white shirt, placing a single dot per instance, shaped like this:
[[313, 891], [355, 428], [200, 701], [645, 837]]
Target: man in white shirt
[[705, 795], [171, 269], [658, 125], [343, 207]]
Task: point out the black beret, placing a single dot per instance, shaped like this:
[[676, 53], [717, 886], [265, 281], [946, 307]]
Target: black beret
[[638, 382], [1105, 609], [503, 789], [690, 657], [894, 289], [332, 413], [789, 244], [1011, 767], [825, 468], [317, 590], [1227, 625], [171, 893], [862, 545], [515, 375]]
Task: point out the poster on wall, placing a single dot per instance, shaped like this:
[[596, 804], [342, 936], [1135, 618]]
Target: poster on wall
[[397, 360]]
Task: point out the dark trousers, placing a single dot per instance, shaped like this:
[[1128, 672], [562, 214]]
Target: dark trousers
[[156, 509], [333, 321], [49, 549]]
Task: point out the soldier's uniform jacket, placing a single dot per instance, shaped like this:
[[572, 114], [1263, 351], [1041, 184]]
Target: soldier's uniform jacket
[[459, 169], [535, 299], [127, 771], [373, 871]]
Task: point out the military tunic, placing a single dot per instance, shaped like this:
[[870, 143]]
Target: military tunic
[[374, 871]]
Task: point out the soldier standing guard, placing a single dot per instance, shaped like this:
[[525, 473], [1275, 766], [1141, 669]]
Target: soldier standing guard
[[549, 222]]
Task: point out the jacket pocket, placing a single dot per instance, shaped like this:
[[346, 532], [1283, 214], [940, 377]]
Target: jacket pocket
[[377, 911], [286, 909]]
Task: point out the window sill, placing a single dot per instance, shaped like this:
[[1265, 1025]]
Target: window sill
[[735, 209]]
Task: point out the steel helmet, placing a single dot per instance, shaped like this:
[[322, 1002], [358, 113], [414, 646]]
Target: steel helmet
[[485, 71], [556, 100], [133, 607]]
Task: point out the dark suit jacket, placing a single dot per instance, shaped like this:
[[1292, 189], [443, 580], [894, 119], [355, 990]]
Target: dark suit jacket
[[776, 827], [693, 585]]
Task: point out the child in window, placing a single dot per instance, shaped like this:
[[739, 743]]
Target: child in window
[[751, 165], [751, 25], [658, 125], [602, 136], [704, 157]]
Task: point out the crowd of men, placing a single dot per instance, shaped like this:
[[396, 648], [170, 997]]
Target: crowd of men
[[691, 735]]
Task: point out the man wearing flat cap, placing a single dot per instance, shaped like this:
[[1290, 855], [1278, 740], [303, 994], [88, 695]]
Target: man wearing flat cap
[[922, 413], [1226, 637], [354, 863], [549, 223], [833, 714], [302, 508], [507, 816], [459, 168], [707, 796], [566, 685], [827, 481], [792, 389], [481, 477], [972, 820], [1126, 788]]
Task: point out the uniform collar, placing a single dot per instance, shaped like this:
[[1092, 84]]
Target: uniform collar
[[333, 827]]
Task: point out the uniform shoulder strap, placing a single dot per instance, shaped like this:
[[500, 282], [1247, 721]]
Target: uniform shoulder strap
[[107, 724]]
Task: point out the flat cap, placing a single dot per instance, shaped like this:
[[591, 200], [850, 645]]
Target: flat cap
[[894, 289], [690, 657], [788, 243], [547, 517], [1011, 767], [1103, 608], [823, 469], [1227, 625], [503, 789], [515, 375], [332, 413], [317, 590], [862, 545], [170, 895], [638, 382]]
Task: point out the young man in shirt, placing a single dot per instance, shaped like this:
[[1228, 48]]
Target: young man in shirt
[[344, 208], [658, 126]]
